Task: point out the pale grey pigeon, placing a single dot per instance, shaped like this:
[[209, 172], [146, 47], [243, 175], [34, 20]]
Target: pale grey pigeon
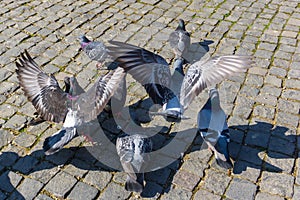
[[213, 128], [54, 104], [132, 150], [97, 51], [180, 41]]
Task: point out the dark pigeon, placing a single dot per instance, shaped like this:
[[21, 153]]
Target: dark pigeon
[[153, 72]]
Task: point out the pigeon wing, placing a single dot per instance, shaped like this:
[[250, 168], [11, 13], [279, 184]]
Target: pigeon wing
[[41, 89], [149, 69], [203, 74], [90, 104]]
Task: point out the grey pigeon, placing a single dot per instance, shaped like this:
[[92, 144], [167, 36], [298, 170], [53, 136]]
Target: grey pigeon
[[75, 87], [97, 51], [213, 128], [180, 41], [59, 139], [153, 72], [54, 104], [132, 151]]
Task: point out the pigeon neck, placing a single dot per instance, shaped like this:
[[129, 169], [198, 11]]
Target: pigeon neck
[[178, 66], [84, 44]]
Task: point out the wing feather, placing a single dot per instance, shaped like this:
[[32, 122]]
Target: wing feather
[[203, 74], [41, 89]]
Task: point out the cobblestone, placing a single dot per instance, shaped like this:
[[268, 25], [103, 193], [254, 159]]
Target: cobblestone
[[263, 104]]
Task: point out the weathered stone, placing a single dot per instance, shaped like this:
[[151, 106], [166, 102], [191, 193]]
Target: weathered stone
[[238, 185], [277, 184], [60, 184], [114, 191], [83, 191]]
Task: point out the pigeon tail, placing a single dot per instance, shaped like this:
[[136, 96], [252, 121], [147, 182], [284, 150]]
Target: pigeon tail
[[133, 185], [222, 154], [58, 140]]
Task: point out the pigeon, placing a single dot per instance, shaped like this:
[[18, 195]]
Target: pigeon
[[97, 51], [54, 104], [132, 150], [78, 89], [214, 129], [153, 72], [180, 41]]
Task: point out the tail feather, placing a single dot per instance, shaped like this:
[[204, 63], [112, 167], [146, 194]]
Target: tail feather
[[222, 153], [57, 141], [135, 185]]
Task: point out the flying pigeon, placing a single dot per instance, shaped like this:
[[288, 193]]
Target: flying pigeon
[[153, 72], [54, 104], [180, 41], [132, 151], [78, 89], [214, 129], [97, 51]]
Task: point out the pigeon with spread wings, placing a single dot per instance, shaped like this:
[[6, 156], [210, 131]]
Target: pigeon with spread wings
[[153, 72], [97, 51], [54, 104]]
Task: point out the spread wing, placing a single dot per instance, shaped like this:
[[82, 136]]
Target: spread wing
[[41, 89], [203, 74], [90, 104], [149, 69]]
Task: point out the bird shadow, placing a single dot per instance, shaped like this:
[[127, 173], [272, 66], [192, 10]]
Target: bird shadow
[[259, 146], [248, 145], [197, 50]]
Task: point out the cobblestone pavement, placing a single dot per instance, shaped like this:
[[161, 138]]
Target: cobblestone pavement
[[262, 104]]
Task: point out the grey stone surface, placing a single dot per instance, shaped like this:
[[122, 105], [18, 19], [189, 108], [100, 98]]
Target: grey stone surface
[[241, 189], [29, 188], [83, 191], [262, 104], [278, 184], [60, 184], [114, 191]]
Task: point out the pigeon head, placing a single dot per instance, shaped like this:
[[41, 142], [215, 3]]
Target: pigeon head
[[72, 86], [181, 24], [67, 84], [83, 41]]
